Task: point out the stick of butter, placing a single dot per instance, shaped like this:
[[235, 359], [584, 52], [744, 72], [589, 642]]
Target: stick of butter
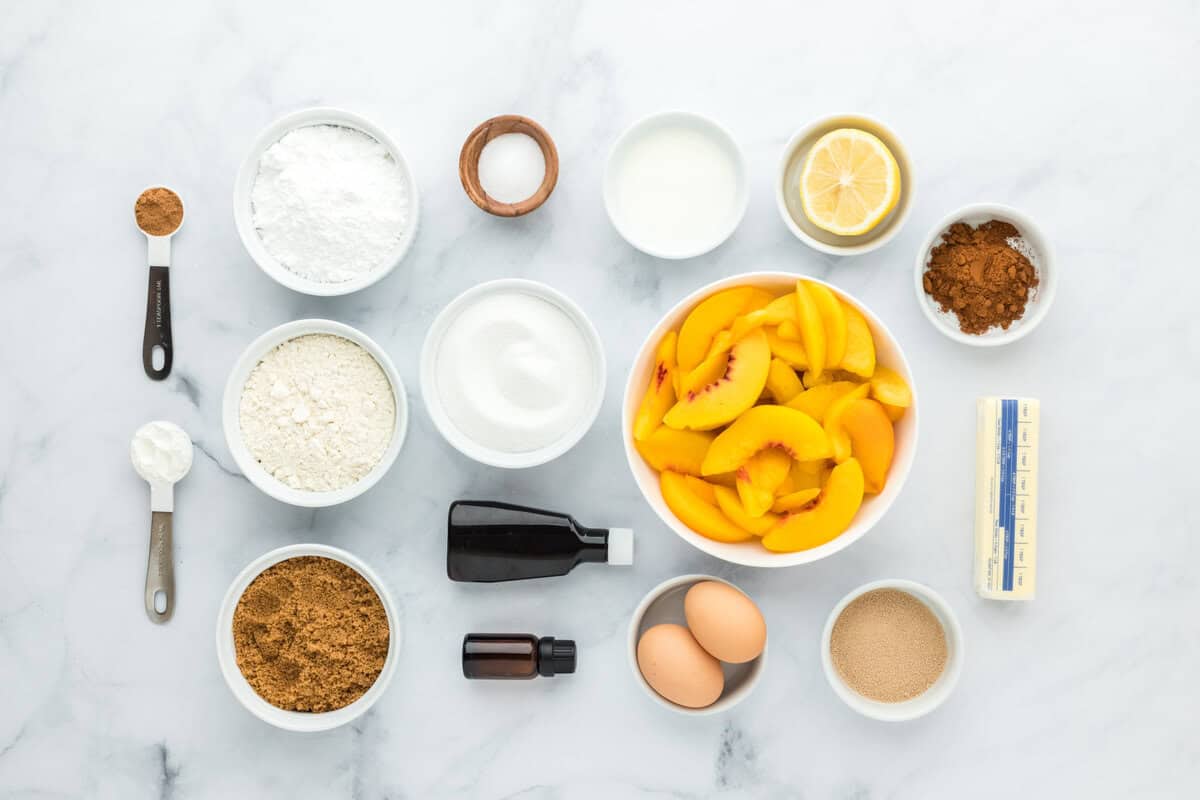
[[1006, 442]]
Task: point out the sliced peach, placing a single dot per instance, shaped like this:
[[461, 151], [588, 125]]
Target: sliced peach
[[789, 330], [839, 440], [815, 401], [833, 317], [697, 512], [894, 412], [758, 478], [794, 501], [701, 488], [712, 314], [788, 351], [860, 345], [711, 368], [825, 519], [726, 479], [731, 506], [660, 395], [812, 329], [780, 310], [720, 402], [681, 451], [888, 387], [810, 380], [808, 474], [794, 432], [782, 382], [871, 440]]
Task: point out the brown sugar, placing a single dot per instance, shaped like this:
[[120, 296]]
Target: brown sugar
[[980, 276], [888, 646], [310, 634], [158, 211]]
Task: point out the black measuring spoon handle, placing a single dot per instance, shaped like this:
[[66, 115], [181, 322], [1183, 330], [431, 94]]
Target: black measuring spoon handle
[[158, 323]]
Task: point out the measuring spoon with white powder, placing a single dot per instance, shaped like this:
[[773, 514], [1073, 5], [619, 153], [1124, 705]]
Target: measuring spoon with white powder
[[162, 455]]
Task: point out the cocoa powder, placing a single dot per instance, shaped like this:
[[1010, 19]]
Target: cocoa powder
[[310, 634], [980, 276], [158, 211]]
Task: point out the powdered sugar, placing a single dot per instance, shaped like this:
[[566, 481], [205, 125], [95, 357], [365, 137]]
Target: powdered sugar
[[330, 203], [317, 412]]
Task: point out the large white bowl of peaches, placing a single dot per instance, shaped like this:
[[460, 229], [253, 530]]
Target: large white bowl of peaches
[[770, 419]]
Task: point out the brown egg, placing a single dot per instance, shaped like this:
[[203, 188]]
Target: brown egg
[[725, 622], [678, 668]]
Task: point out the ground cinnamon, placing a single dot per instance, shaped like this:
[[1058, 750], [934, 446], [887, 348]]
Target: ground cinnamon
[[159, 211], [310, 634], [980, 276]]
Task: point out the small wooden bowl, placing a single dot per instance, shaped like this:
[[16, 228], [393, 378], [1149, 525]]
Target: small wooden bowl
[[468, 164]]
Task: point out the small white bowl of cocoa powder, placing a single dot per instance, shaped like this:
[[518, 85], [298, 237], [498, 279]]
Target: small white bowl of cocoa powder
[[307, 637], [985, 275], [892, 650]]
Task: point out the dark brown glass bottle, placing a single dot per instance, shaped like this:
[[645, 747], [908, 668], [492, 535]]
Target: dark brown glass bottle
[[516, 656]]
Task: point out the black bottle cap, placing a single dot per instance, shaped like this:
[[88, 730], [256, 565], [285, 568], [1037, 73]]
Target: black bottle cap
[[555, 656]]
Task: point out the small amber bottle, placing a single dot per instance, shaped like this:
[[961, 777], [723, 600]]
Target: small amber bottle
[[516, 656]]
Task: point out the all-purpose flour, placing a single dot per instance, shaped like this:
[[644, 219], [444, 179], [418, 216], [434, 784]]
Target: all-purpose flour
[[329, 203], [317, 412]]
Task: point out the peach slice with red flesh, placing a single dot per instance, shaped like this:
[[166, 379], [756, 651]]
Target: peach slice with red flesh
[[691, 504], [816, 401], [660, 395], [838, 438], [860, 345], [681, 451], [759, 477], [721, 402], [825, 519], [731, 506], [872, 441], [782, 381], [833, 319], [794, 501], [812, 328], [712, 315], [794, 432], [711, 368]]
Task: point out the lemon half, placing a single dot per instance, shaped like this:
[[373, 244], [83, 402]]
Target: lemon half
[[850, 182]]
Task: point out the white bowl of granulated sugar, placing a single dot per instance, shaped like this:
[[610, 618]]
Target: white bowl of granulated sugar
[[325, 203], [314, 413]]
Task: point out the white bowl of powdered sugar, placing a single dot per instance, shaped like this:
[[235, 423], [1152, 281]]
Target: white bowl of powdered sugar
[[325, 203], [314, 413]]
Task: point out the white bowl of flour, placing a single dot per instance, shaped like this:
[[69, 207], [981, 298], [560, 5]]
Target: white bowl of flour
[[325, 203], [314, 413]]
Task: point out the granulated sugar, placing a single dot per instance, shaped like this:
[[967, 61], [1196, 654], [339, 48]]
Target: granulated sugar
[[888, 646], [317, 412]]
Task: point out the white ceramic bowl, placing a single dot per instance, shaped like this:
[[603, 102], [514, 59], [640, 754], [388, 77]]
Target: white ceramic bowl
[[664, 604], [244, 217], [231, 420], [787, 187], [433, 401], [752, 553], [665, 248], [301, 721], [1037, 248], [936, 694]]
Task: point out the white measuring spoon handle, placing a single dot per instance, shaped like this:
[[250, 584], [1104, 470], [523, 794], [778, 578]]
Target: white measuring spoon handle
[[160, 570]]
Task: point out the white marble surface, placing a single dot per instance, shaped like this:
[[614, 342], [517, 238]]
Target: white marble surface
[[1085, 117]]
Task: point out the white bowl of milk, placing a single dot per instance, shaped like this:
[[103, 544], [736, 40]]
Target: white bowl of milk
[[675, 186]]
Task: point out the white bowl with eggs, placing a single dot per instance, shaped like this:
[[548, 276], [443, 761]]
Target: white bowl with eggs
[[787, 187], [231, 414], [675, 185], [752, 553], [664, 604], [300, 721], [243, 210], [936, 694], [496, 388]]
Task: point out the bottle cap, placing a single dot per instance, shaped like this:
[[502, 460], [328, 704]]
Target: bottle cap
[[620, 546], [555, 656]]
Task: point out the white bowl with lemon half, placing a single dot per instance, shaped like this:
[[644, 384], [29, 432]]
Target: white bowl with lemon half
[[805, 186], [751, 550]]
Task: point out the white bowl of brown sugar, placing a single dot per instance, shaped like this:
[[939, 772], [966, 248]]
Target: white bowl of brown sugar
[[985, 275], [892, 650], [307, 637]]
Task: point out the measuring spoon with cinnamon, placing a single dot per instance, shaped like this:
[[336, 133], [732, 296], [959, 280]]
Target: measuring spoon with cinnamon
[[159, 214]]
